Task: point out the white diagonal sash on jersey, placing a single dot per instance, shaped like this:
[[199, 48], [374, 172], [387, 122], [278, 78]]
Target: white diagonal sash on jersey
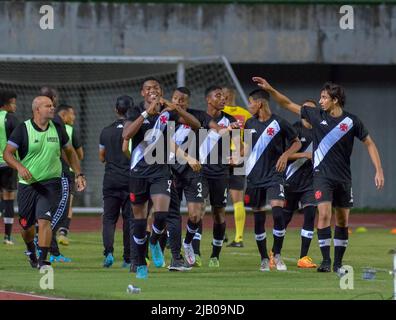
[[260, 146], [293, 167], [330, 140], [210, 141], [155, 133], [180, 135]]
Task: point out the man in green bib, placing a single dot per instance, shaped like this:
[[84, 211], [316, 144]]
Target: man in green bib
[[66, 181], [8, 122], [34, 150]]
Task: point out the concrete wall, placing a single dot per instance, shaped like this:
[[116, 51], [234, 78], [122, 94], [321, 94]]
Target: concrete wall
[[245, 33]]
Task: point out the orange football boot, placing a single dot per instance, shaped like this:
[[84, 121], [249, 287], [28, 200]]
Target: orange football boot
[[306, 263]]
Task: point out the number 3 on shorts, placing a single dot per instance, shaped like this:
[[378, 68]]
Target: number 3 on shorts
[[199, 189]]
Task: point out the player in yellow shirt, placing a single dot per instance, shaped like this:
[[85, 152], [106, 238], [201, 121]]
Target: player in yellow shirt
[[236, 182]]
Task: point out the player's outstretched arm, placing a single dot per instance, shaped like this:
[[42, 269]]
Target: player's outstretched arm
[[125, 148], [223, 131], [282, 161], [280, 99], [301, 155], [75, 165], [102, 154], [188, 118], [132, 128], [181, 154], [80, 153], [9, 157], [214, 126], [185, 117], [375, 158]]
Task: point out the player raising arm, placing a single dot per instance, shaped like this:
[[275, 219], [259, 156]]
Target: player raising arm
[[265, 166], [334, 130]]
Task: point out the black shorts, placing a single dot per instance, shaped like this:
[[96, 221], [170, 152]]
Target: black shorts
[[258, 197], [296, 199], [338, 193], [175, 202], [194, 189], [72, 181], [38, 201], [8, 179], [217, 191], [236, 182], [115, 201], [141, 190], [63, 205]]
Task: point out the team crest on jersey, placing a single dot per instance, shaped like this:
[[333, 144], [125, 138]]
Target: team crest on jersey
[[318, 195], [163, 119], [271, 131], [23, 222], [343, 127]]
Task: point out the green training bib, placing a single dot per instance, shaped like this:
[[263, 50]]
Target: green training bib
[[43, 156]]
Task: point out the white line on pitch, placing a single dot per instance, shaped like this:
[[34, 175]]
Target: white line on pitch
[[30, 295]]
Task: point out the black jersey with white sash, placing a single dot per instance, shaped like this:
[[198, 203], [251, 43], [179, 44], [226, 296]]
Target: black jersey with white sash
[[188, 140], [269, 141], [299, 177], [150, 139], [211, 155], [333, 139]]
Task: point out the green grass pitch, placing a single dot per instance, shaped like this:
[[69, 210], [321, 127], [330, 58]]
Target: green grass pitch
[[237, 278]]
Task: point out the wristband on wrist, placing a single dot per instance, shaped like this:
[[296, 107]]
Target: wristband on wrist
[[144, 114]]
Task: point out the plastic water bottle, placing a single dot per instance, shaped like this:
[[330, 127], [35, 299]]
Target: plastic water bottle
[[369, 274], [132, 289]]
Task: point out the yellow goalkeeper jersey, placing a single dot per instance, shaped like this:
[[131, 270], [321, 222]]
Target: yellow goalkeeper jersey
[[239, 113]]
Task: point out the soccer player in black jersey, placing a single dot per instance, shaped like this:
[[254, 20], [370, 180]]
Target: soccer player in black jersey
[[116, 184], [187, 181], [147, 126], [67, 114], [299, 188], [215, 173], [265, 165], [334, 130]]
